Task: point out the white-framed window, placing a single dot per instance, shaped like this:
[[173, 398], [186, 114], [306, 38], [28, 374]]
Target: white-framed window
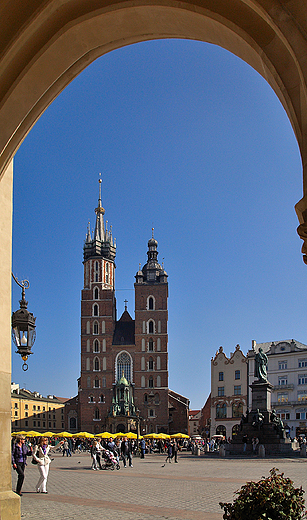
[[91, 399], [95, 310], [96, 383], [237, 374], [302, 395], [151, 412], [124, 366], [302, 379], [150, 382], [150, 364], [282, 365], [237, 390], [283, 380], [96, 293], [96, 364], [221, 391], [96, 346], [107, 272], [150, 327], [282, 397], [151, 303], [221, 376], [95, 328], [302, 363], [284, 415], [150, 345], [300, 414]]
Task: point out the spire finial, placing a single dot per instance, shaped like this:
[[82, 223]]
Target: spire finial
[[152, 232], [125, 301]]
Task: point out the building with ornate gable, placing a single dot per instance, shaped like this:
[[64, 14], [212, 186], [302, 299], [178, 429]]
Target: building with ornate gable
[[228, 391]]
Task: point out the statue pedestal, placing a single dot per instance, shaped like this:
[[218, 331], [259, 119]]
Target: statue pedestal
[[261, 398], [272, 441]]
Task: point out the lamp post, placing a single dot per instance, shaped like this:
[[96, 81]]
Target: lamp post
[[23, 326]]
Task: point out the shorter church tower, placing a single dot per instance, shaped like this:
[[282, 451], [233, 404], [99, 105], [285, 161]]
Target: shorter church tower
[[151, 355]]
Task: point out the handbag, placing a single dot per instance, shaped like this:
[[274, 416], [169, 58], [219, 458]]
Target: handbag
[[34, 461]]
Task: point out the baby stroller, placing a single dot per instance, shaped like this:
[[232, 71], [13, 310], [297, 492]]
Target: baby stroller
[[110, 461]]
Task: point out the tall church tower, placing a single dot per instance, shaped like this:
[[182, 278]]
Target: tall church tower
[[151, 355], [98, 318]]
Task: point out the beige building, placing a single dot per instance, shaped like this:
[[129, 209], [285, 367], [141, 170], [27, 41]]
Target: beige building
[[228, 391], [45, 44], [287, 372], [32, 411], [194, 418]]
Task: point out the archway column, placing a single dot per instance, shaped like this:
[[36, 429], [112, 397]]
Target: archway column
[[9, 501]]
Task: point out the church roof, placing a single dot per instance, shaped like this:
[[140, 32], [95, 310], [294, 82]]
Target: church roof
[[124, 330]]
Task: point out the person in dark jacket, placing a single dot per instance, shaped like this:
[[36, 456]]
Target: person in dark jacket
[[19, 460], [126, 452]]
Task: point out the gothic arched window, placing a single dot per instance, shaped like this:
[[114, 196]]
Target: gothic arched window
[[150, 364], [95, 327], [151, 327], [96, 345], [150, 382], [96, 413], [123, 366], [150, 345], [95, 310], [96, 293], [96, 364], [150, 303]]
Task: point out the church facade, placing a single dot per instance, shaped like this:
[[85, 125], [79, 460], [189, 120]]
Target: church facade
[[124, 363]]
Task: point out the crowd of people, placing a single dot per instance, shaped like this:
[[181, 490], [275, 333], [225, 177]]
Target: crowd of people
[[105, 453]]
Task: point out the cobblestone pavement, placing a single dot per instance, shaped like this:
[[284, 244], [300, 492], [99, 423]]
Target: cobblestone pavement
[[190, 490]]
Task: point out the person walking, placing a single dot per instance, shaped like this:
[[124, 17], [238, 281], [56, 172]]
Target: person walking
[[94, 456], [175, 451], [40, 454], [19, 460], [125, 450], [142, 447]]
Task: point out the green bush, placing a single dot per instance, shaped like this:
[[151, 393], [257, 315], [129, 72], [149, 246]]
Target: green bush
[[272, 498]]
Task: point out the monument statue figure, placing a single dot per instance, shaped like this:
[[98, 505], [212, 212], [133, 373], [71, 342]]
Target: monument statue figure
[[261, 363]]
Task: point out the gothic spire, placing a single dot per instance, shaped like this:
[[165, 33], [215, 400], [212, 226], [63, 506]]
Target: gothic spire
[[99, 233]]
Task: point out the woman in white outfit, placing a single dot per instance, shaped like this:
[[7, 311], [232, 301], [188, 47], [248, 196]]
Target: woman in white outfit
[[40, 454]]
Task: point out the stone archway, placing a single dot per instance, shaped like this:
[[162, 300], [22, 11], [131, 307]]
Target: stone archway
[[44, 44]]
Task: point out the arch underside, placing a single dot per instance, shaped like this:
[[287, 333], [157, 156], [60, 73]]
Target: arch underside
[[47, 44]]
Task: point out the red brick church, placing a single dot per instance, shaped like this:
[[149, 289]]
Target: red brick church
[[124, 363]]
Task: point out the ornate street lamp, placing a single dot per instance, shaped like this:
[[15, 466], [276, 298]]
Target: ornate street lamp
[[23, 326]]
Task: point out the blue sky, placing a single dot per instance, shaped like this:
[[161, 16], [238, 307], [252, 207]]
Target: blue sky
[[192, 141]]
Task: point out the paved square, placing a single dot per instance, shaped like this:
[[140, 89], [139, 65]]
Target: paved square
[[190, 490]]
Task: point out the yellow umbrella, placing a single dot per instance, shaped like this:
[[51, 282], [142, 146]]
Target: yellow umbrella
[[32, 433], [63, 434], [117, 435], [180, 436], [84, 435], [49, 434], [162, 436], [151, 436], [18, 433], [131, 435], [104, 435]]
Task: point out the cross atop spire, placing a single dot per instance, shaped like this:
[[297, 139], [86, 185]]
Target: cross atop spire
[[125, 302]]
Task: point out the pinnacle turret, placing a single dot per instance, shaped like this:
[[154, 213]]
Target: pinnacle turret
[[102, 243]]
